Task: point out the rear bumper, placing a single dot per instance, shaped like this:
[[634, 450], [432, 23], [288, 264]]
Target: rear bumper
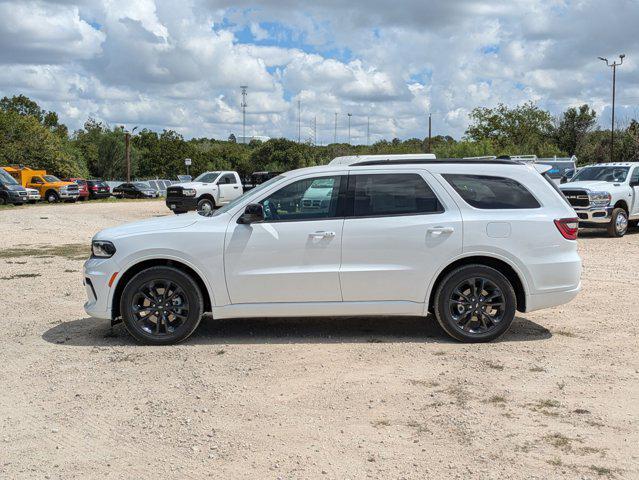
[[181, 204], [551, 299], [99, 194]]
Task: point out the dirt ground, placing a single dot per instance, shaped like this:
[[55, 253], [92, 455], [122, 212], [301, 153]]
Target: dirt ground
[[556, 397]]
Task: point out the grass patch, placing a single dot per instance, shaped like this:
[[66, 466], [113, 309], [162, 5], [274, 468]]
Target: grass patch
[[565, 333], [20, 275], [72, 251], [424, 383], [494, 365], [460, 394], [537, 369], [560, 441], [221, 351], [419, 427], [548, 403], [381, 423], [439, 353], [602, 471], [497, 399]]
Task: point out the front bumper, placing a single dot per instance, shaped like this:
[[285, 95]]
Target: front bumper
[[97, 273], [33, 197], [68, 195], [16, 198], [594, 214], [181, 204]]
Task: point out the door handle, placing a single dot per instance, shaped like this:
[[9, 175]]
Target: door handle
[[436, 231], [322, 234], [236, 188]]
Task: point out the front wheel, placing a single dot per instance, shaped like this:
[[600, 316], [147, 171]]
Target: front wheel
[[618, 225], [53, 197], [161, 306], [475, 303], [205, 206]]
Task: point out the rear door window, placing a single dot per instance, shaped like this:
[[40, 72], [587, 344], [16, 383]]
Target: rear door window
[[392, 194], [492, 193]]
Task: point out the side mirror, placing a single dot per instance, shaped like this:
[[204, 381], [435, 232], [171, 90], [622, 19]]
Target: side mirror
[[564, 179], [253, 213]]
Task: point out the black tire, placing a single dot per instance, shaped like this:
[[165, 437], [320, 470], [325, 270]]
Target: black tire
[[477, 320], [3, 200], [618, 225], [633, 223], [205, 205], [52, 196], [174, 331]]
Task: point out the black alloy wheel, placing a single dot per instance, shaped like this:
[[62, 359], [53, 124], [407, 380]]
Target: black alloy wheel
[[161, 306], [475, 303]]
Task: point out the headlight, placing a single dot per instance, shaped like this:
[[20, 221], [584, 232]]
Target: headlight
[[188, 192], [102, 249], [600, 199]]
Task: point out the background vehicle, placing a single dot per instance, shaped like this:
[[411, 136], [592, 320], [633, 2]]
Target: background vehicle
[[606, 195], [561, 168], [207, 192], [83, 189], [51, 188], [135, 190], [470, 241], [33, 195], [98, 189], [10, 190]]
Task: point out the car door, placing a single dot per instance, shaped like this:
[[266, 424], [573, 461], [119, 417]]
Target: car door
[[402, 228], [294, 254], [634, 184], [228, 187]]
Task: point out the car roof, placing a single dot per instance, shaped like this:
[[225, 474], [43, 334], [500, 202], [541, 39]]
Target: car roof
[[612, 164]]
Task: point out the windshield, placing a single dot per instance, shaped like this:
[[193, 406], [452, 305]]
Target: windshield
[[142, 185], [6, 178], [558, 169], [249, 194], [207, 177], [51, 178], [603, 174]]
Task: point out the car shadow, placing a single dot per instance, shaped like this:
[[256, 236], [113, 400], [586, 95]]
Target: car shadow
[[92, 332]]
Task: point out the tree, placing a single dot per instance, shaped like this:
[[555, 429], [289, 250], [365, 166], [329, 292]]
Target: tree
[[232, 138], [573, 127], [22, 105]]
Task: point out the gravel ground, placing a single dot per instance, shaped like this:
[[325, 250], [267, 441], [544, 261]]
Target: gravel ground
[[556, 397]]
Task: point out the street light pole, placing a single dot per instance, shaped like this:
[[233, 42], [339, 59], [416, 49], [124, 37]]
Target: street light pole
[[244, 105], [430, 124], [614, 66], [127, 152], [349, 127]]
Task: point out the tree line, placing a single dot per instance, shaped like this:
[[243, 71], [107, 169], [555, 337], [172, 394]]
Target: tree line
[[31, 136]]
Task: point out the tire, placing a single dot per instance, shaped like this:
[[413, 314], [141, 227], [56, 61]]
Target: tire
[[467, 320], [3, 200], [618, 225], [633, 223], [205, 205], [52, 196], [178, 212], [139, 293]]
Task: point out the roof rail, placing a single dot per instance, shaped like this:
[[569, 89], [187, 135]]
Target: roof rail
[[355, 159], [435, 161], [482, 157]]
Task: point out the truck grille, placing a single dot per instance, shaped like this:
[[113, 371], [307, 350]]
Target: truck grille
[[73, 189], [22, 194], [577, 198], [174, 192]]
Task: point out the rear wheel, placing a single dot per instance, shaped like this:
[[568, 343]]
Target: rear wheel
[[618, 225], [161, 306], [475, 303], [3, 200]]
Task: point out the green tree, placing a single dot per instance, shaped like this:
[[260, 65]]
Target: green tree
[[573, 127]]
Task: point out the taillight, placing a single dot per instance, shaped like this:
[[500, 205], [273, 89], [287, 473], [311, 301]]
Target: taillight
[[568, 227]]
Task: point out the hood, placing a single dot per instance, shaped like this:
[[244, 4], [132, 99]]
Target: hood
[[14, 188], [594, 185], [160, 224], [60, 184], [191, 184]]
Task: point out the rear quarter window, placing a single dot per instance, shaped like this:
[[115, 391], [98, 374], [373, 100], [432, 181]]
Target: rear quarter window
[[492, 193]]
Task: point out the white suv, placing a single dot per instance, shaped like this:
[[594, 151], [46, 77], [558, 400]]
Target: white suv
[[471, 241]]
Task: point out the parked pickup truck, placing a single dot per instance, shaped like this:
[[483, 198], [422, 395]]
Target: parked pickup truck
[[50, 187], [207, 192], [606, 195]]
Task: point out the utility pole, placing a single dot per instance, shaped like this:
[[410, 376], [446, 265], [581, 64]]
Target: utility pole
[[315, 130], [368, 131], [335, 134], [244, 105], [349, 127], [299, 121], [127, 152], [430, 131], [614, 66]]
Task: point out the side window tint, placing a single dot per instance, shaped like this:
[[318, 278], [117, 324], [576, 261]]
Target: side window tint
[[492, 193], [393, 194], [308, 199], [635, 176], [227, 178]]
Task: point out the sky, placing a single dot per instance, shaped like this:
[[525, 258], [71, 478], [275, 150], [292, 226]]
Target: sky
[[179, 64]]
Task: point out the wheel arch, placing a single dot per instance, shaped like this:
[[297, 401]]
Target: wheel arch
[[50, 190], [622, 204], [498, 264], [208, 196], [136, 268]]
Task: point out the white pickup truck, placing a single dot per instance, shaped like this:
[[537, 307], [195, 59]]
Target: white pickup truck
[[606, 195], [207, 192]]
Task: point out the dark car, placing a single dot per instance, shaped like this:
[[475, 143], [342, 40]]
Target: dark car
[[135, 190], [98, 189], [10, 190]]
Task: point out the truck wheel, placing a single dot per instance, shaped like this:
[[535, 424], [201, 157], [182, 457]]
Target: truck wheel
[[475, 303], [161, 306], [205, 206], [618, 225], [3, 200], [52, 196]]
